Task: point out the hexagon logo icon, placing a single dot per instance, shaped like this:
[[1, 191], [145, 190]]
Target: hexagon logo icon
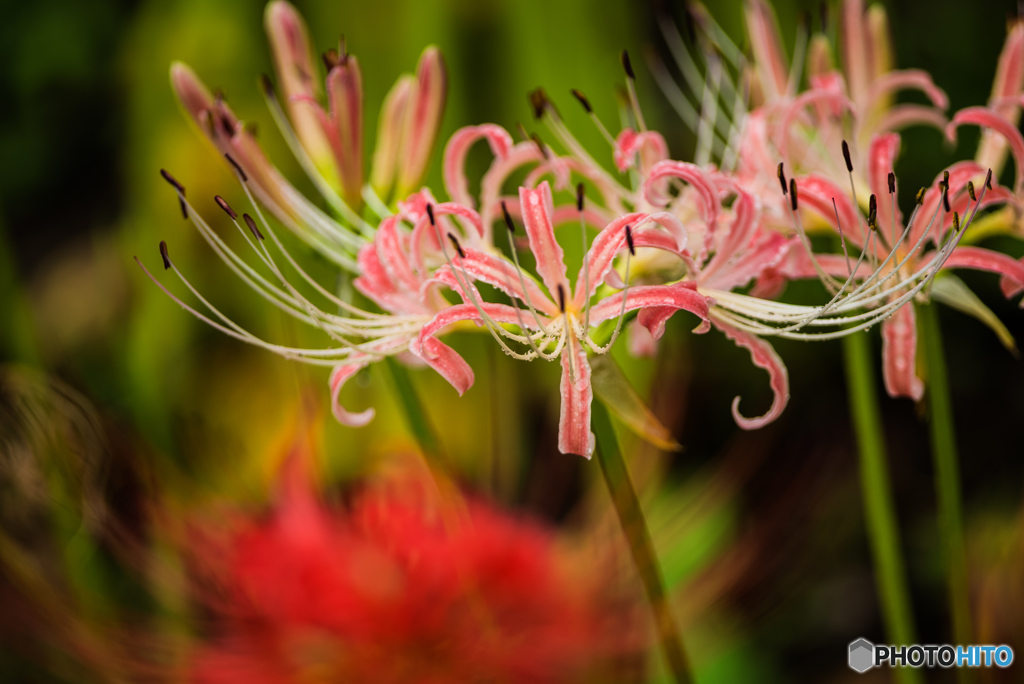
[[862, 655]]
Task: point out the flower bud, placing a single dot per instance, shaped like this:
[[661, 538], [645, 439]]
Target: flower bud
[[389, 135], [345, 96], [422, 120]]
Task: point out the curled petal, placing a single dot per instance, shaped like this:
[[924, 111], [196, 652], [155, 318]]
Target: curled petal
[[393, 256], [455, 151], [537, 207], [982, 259], [899, 354], [574, 435], [649, 145], [992, 120], [734, 242], [887, 84], [667, 299], [423, 119], [1006, 88], [443, 358], [389, 134], [375, 283], [692, 174], [763, 356], [340, 375]]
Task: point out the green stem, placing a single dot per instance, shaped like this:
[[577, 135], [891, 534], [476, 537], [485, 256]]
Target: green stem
[[879, 509], [631, 516], [947, 472], [415, 413]]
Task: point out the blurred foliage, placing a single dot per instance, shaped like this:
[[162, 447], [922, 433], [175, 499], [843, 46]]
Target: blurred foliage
[[759, 534]]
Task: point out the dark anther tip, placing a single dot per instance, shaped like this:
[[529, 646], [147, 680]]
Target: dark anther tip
[[164, 256], [629, 241], [173, 181], [583, 100], [579, 197], [988, 179], [627, 65], [561, 298], [455, 243], [945, 178], [956, 221], [508, 218], [892, 183], [430, 214], [539, 101], [945, 197], [872, 208], [252, 226], [237, 166], [267, 86], [225, 206], [782, 178], [970, 191], [846, 157], [920, 196], [792, 193]]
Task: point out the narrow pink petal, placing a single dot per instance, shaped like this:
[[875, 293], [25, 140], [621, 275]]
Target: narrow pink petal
[[817, 192], [502, 274], [393, 257], [375, 283], [992, 120], [609, 242], [339, 376], [767, 253], [1011, 287], [763, 356], [595, 217], [819, 57], [770, 60], [899, 354], [537, 207], [678, 296], [854, 44], [882, 154], [831, 100], [574, 435], [494, 180], [345, 94], [734, 242], [191, 92], [692, 174], [981, 259], [423, 120], [1006, 88], [455, 181]]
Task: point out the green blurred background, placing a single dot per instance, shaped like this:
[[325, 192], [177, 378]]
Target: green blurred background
[[88, 119]]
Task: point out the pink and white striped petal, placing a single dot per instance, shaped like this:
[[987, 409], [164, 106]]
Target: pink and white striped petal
[[980, 259], [339, 376], [536, 206], [666, 299], [574, 435], [899, 354], [991, 120]]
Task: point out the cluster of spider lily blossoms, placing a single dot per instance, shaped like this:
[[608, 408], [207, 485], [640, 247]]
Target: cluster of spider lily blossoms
[[717, 238]]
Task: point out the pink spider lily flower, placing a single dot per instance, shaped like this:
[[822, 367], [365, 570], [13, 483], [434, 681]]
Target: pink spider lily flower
[[325, 138], [899, 260]]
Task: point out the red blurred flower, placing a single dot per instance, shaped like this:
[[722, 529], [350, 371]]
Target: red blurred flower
[[400, 587]]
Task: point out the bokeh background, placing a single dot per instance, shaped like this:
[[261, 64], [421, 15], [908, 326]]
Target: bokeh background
[[761, 533]]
